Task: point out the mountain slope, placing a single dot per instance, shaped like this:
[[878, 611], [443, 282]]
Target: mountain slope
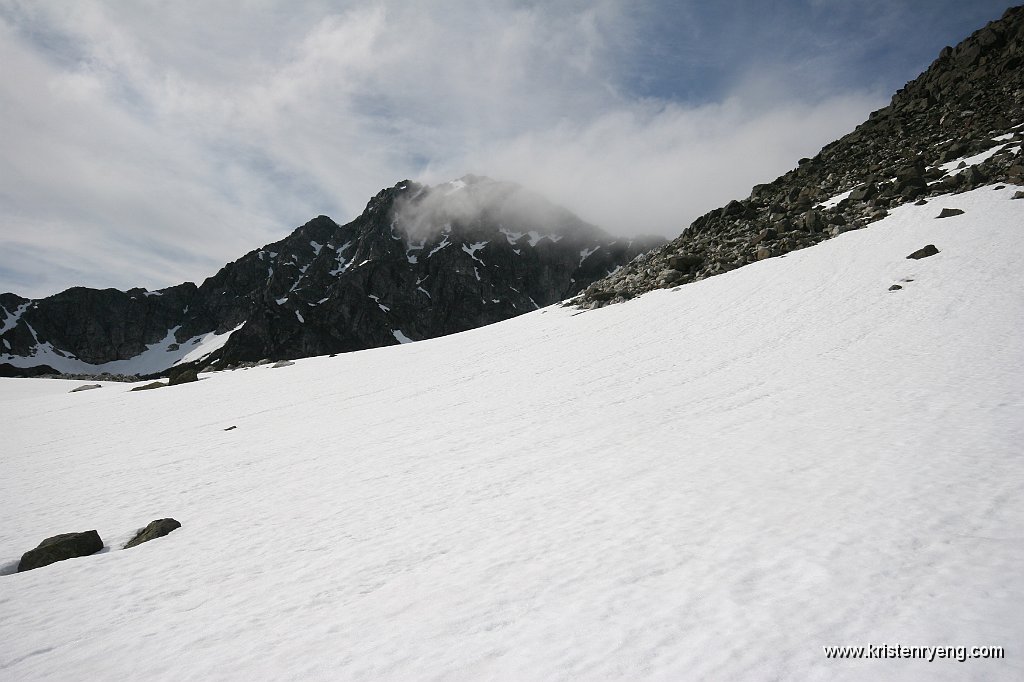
[[709, 483], [419, 262], [967, 108]]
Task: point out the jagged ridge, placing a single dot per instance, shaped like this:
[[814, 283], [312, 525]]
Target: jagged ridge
[[970, 95], [419, 262]]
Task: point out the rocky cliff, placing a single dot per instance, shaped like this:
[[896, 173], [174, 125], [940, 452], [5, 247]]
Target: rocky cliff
[[954, 128], [419, 262]]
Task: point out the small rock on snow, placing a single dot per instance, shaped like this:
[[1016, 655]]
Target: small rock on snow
[[155, 529], [924, 252]]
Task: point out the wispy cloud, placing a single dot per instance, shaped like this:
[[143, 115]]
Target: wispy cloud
[[146, 144]]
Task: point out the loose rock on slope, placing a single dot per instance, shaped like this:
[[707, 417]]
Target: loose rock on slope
[[60, 548], [923, 252], [969, 102], [155, 529]]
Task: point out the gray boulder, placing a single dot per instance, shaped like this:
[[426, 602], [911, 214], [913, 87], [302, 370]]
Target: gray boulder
[[59, 548], [812, 221], [684, 261], [864, 192], [733, 208], [924, 252], [949, 213], [184, 376], [155, 529], [86, 387]]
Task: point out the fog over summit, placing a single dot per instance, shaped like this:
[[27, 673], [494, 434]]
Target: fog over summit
[[471, 201]]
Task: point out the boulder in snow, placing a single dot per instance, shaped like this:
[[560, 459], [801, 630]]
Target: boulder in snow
[[155, 529], [155, 384], [61, 547], [949, 213], [924, 252], [184, 376]]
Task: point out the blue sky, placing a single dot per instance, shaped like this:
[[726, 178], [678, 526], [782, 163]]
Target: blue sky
[[148, 143]]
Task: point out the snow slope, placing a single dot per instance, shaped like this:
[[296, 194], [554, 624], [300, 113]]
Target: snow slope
[[710, 483]]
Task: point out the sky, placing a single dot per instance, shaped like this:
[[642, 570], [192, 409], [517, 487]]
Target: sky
[[147, 143]]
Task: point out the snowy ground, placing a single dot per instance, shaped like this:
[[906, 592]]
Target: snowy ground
[[711, 483]]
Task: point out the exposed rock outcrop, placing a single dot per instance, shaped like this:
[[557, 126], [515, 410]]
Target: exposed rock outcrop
[[9, 370], [183, 376], [956, 127], [150, 386]]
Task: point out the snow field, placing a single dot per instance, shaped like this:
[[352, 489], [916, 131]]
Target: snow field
[[708, 483]]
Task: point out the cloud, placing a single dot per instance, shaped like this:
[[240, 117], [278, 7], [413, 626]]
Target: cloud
[[653, 169], [464, 203], [152, 142]]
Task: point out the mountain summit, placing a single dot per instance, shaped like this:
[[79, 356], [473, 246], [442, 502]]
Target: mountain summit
[[419, 262]]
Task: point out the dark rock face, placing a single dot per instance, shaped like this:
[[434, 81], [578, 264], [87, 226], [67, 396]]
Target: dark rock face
[[969, 96], [155, 529], [9, 370], [97, 326], [949, 212], [923, 252], [61, 547], [419, 262]]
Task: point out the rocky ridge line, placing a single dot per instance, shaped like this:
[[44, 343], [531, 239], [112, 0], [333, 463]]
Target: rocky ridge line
[[474, 251], [970, 101]]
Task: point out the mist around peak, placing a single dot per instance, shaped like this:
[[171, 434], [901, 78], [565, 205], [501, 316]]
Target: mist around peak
[[476, 203]]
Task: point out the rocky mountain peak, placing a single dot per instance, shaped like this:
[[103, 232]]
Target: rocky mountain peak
[[418, 262]]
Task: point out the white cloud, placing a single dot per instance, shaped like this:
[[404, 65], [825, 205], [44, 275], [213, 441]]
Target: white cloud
[[635, 170], [154, 142]]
